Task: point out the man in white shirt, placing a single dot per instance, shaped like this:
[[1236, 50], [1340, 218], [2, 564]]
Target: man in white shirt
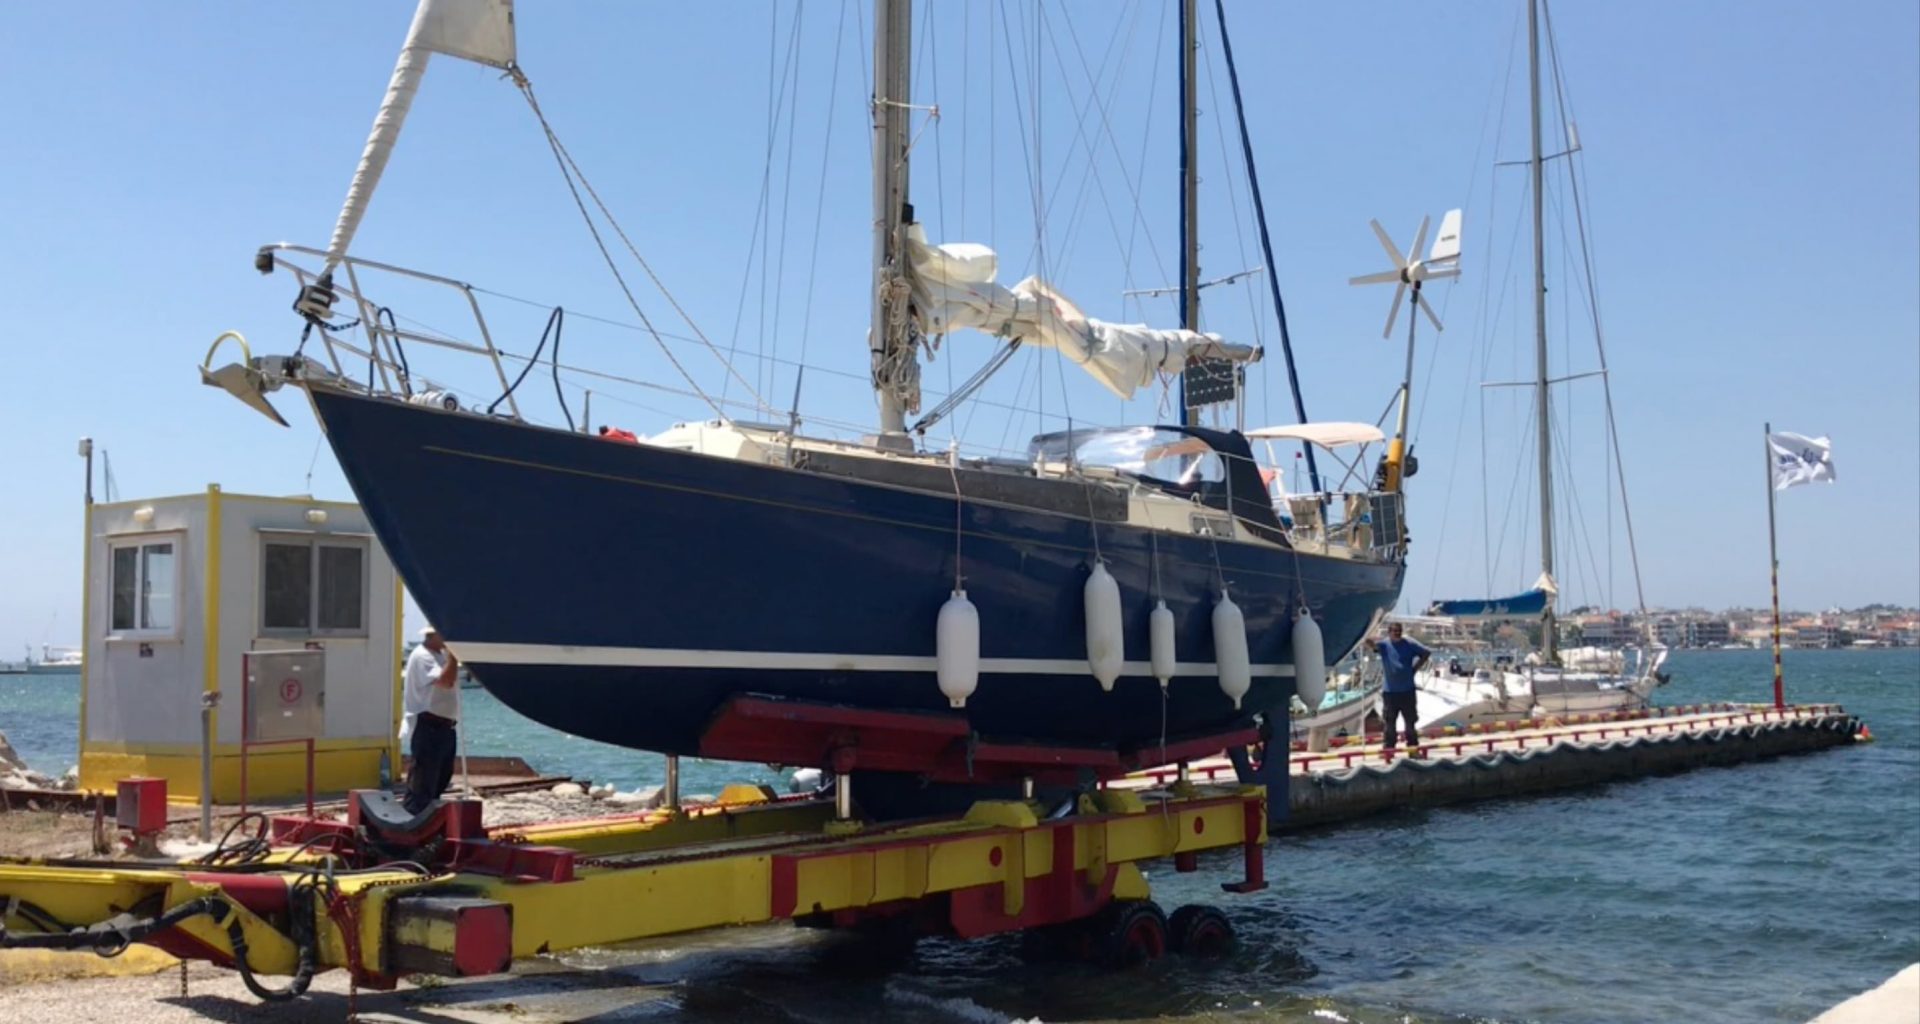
[[430, 699]]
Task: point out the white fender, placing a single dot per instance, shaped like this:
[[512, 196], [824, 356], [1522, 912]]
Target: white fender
[[1309, 660], [1160, 650], [1230, 649], [1106, 641], [956, 649]]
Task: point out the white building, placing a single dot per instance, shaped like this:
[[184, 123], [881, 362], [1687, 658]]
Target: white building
[[179, 588]]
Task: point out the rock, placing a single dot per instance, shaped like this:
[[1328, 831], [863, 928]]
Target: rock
[[569, 789], [644, 798], [23, 778], [8, 757]]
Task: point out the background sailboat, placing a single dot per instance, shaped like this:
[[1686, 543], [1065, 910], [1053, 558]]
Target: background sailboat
[[1550, 681]]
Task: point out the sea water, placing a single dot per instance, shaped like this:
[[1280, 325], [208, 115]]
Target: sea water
[[1760, 892]]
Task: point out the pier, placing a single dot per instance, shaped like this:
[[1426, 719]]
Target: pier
[[1356, 779]]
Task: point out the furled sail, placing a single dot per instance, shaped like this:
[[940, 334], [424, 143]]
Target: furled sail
[[954, 288], [475, 30], [1527, 604]]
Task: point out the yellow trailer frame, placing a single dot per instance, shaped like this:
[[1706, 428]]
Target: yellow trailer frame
[[999, 867]]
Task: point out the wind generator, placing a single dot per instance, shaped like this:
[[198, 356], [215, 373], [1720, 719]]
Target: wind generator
[[1442, 262]]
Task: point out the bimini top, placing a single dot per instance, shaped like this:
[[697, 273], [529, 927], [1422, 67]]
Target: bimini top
[[1326, 435]]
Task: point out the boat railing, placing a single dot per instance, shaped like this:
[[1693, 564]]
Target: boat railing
[[384, 354], [1367, 521]]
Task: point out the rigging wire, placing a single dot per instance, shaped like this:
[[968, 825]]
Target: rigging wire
[[1266, 241], [1220, 136], [1503, 83], [1082, 139], [792, 104], [820, 200], [1576, 516], [1136, 227], [569, 171]]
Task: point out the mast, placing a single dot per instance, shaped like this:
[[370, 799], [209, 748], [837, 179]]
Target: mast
[[1548, 638], [895, 370], [1189, 182]]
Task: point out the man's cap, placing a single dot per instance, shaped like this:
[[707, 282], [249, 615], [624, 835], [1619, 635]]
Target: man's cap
[[428, 630]]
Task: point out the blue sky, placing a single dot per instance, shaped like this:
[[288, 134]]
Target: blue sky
[[1751, 176]]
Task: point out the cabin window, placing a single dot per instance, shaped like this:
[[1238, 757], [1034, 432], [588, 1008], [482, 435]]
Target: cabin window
[[144, 586], [313, 585]]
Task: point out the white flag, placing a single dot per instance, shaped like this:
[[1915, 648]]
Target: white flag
[[1800, 460]]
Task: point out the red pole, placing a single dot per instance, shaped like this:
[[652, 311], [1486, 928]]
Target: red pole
[[1773, 560]]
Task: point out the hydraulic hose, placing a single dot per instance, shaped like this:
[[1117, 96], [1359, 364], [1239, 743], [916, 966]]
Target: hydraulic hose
[[305, 944], [112, 936]]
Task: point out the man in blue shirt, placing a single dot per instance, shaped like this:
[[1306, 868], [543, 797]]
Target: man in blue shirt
[[1400, 658]]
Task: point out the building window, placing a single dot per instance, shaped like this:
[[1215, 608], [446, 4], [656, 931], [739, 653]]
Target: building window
[[312, 585], [144, 586]]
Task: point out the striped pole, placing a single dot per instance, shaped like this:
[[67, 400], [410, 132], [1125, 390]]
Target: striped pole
[[1773, 560]]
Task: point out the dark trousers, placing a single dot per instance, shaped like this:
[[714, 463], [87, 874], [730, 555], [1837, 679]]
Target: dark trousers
[[433, 748], [1397, 705]]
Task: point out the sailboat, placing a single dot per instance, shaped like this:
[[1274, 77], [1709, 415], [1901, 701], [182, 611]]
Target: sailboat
[[740, 590], [1551, 682]]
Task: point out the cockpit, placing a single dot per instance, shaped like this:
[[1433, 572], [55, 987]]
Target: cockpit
[[1215, 468]]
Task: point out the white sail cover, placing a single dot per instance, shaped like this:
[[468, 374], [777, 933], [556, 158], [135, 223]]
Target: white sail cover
[[475, 30], [954, 288]]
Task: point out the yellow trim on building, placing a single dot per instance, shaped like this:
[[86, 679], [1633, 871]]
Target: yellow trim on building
[[273, 773], [210, 587], [223, 749], [86, 609]]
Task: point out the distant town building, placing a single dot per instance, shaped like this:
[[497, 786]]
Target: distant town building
[[1820, 635], [1605, 630], [1707, 633]]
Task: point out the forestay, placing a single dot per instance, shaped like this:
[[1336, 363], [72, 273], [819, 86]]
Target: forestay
[[954, 288]]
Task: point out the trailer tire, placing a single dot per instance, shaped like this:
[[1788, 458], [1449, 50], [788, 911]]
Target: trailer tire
[[1200, 931], [1134, 934]]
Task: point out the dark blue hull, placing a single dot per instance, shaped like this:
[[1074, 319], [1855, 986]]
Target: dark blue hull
[[623, 593]]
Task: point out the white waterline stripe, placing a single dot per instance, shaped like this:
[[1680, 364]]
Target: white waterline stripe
[[666, 657]]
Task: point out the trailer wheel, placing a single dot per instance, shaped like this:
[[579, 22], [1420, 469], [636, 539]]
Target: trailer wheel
[[1134, 935], [1200, 931]]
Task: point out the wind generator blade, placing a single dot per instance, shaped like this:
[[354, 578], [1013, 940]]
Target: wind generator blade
[[1419, 242], [1427, 308], [1393, 251], [1382, 277], [1447, 245], [1394, 313]]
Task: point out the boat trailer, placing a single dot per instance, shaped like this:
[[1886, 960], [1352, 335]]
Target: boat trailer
[[383, 894]]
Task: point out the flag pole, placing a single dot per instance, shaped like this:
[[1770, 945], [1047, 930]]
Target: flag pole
[[1773, 561]]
